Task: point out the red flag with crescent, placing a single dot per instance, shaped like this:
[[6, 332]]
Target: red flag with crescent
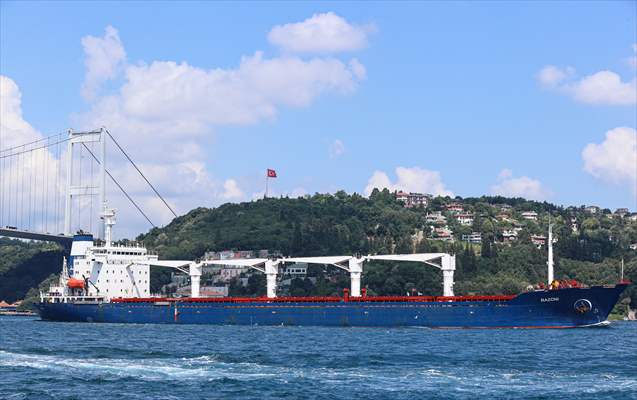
[[271, 173]]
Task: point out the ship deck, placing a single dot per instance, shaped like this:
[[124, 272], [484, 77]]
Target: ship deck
[[319, 299]]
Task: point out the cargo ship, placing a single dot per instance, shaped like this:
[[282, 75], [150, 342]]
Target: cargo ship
[[110, 283]]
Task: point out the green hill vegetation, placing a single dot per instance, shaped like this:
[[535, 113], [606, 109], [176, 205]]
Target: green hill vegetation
[[24, 265], [589, 247]]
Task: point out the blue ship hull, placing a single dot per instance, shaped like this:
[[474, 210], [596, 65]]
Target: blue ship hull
[[564, 308]]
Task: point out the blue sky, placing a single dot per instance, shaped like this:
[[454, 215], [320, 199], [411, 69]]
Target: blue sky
[[456, 95]]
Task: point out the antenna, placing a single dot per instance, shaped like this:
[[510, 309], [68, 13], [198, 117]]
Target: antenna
[[550, 260]]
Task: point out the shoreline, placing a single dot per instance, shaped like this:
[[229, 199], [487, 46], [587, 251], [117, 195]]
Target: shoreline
[[18, 314]]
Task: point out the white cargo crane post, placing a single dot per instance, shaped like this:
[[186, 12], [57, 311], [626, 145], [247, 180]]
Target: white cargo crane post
[[443, 261], [193, 271], [269, 267], [350, 264]]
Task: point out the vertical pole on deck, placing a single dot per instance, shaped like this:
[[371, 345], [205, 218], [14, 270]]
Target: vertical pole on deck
[[550, 260]]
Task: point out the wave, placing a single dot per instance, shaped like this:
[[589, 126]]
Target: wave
[[388, 378], [202, 367]]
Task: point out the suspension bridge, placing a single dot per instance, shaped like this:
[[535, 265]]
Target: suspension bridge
[[55, 186]]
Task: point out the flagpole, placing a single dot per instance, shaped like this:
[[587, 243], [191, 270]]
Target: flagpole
[[267, 178]]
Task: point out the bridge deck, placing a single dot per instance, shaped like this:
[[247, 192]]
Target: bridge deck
[[48, 237]]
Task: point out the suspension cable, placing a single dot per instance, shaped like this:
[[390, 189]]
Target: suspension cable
[[120, 187], [28, 143], [33, 149], [141, 173]]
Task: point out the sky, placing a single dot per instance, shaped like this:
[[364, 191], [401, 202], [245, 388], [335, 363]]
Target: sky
[[531, 99]]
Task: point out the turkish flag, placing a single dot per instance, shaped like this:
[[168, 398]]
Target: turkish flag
[[271, 173]]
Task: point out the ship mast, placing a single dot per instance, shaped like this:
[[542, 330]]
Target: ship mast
[[550, 260]]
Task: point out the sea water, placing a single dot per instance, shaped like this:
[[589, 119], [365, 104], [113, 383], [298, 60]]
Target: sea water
[[47, 360]]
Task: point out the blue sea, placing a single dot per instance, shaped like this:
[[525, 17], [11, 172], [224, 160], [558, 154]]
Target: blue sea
[[48, 360]]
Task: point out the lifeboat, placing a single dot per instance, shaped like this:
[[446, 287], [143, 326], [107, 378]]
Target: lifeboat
[[75, 283]]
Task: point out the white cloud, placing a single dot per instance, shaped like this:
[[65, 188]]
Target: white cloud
[[337, 148], [603, 87], [414, 179], [172, 109], [321, 33], [523, 186], [254, 91], [615, 159], [104, 58], [231, 190], [358, 69], [550, 76], [15, 130], [22, 196]]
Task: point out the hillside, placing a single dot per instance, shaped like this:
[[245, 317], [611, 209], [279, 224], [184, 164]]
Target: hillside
[[25, 265]]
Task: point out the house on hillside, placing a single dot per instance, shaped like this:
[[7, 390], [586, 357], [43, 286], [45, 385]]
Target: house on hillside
[[632, 217], [504, 217], [464, 218], [413, 199], [529, 215], [474, 237], [592, 209], [509, 235], [574, 226], [538, 240], [505, 207], [436, 218], [622, 212], [297, 270], [454, 208], [445, 234]]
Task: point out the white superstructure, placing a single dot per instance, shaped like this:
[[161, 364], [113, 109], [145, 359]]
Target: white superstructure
[[103, 271]]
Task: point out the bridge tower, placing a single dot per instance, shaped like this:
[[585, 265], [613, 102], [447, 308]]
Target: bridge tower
[[77, 190]]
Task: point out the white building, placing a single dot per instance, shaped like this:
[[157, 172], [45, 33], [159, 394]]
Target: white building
[[444, 234], [436, 218], [454, 207], [529, 215], [296, 270], [474, 237], [464, 218], [509, 235], [538, 240], [413, 199]]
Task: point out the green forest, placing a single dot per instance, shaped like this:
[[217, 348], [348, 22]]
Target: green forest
[[340, 223]]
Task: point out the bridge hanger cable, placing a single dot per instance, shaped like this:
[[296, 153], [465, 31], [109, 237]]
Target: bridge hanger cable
[[140, 172], [46, 189], [121, 188]]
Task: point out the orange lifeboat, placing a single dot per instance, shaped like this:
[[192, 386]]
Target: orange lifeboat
[[75, 283]]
